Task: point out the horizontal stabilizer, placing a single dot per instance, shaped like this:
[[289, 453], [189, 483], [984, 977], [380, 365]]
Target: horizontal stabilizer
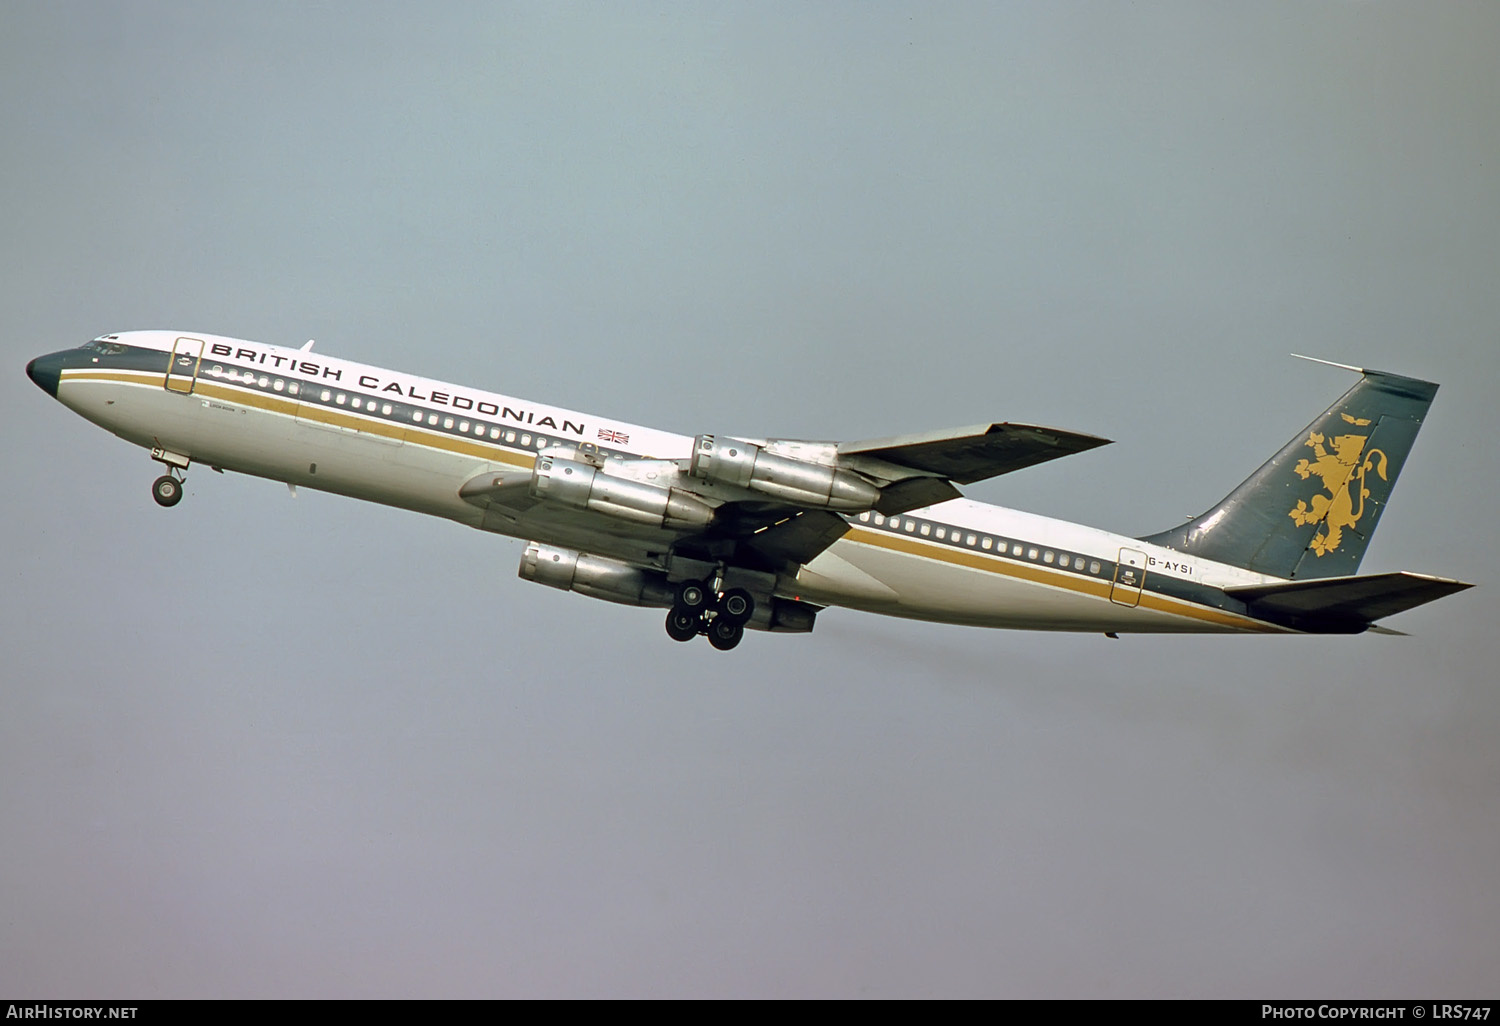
[[966, 455], [1361, 599]]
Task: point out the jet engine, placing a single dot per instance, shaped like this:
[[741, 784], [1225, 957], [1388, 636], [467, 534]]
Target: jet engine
[[581, 485], [744, 465], [594, 576]]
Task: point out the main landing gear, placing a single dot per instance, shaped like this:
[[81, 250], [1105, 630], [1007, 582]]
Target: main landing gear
[[701, 609]]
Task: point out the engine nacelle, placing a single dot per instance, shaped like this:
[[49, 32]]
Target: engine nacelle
[[745, 465], [594, 576], [583, 486]]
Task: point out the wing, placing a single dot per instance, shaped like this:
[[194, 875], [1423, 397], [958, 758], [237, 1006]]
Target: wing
[[966, 455], [766, 514]]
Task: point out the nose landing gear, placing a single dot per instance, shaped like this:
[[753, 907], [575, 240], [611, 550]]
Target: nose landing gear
[[167, 489]]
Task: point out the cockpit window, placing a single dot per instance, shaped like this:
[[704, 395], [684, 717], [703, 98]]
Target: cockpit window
[[98, 345]]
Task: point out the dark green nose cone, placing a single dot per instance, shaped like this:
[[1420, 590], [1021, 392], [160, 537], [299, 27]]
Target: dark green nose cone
[[46, 372]]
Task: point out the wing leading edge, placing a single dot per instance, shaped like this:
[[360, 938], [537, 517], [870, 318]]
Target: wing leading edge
[[969, 454]]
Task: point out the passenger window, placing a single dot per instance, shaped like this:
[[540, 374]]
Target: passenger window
[[386, 410], [1063, 560], [1000, 547], [355, 403], [895, 523], [525, 439], [1048, 556], [942, 535], [432, 419], [984, 543], [1094, 567], [510, 436], [494, 432], [1031, 554], [278, 384], [264, 381], [463, 425], [293, 388], [879, 519], [541, 443], [448, 422], [911, 525], [340, 398], [416, 415], [327, 395], [969, 540]]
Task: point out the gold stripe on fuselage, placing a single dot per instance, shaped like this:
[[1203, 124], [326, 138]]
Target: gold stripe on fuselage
[[413, 435], [1092, 587]]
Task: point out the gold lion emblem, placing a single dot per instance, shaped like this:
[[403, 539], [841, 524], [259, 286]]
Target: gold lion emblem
[[1342, 471]]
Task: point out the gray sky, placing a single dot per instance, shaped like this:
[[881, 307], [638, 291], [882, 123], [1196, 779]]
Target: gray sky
[[257, 746]]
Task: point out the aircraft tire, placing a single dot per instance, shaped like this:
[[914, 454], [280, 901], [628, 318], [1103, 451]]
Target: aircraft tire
[[737, 605], [692, 597], [725, 634], [166, 490], [681, 625]]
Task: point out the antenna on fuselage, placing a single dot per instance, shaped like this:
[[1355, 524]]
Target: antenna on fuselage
[[308, 346]]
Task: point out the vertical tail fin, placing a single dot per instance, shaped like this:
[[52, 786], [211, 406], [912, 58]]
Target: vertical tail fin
[[1311, 509]]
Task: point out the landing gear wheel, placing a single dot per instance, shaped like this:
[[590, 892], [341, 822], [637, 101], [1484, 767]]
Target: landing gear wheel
[[166, 490], [692, 597], [737, 606], [724, 634], [682, 626]]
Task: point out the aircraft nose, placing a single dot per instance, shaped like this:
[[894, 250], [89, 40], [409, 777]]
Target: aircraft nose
[[46, 371]]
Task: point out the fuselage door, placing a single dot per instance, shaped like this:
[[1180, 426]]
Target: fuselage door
[[1130, 575], [182, 372]]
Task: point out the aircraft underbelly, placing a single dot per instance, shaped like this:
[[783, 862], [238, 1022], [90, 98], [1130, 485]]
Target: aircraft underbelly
[[897, 583], [279, 446]]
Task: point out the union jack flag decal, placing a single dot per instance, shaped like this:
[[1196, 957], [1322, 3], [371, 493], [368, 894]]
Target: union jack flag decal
[[618, 437]]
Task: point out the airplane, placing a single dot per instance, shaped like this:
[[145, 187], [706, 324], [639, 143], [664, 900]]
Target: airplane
[[728, 534]]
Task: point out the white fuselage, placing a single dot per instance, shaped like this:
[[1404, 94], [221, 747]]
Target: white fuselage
[[319, 422]]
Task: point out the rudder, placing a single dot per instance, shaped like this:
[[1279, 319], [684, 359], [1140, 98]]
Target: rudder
[[1311, 509]]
